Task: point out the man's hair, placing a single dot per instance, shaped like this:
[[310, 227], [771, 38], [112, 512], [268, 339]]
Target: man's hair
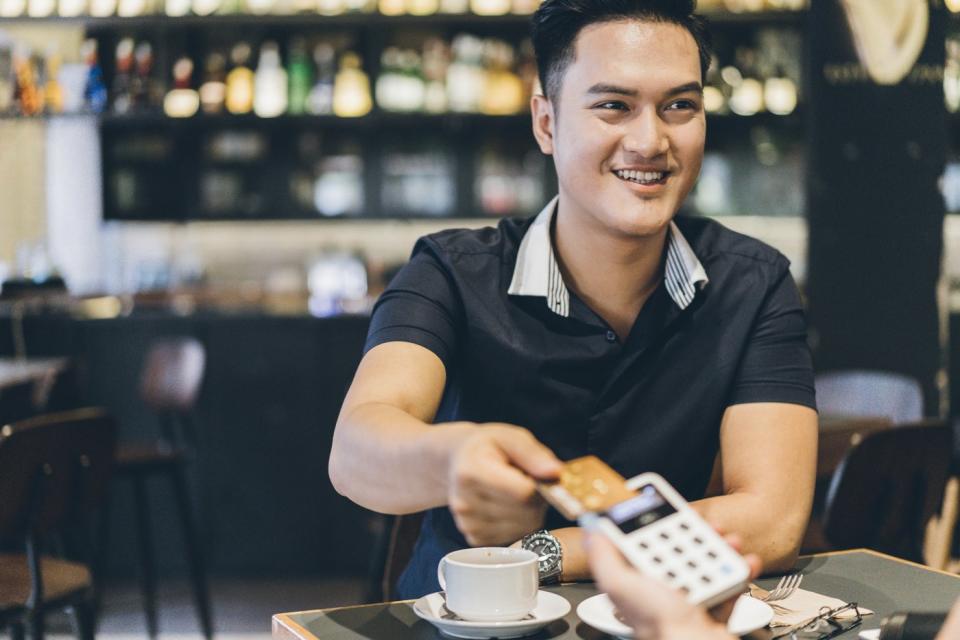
[[557, 23]]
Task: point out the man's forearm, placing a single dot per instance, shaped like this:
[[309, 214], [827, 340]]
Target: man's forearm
[[772, 531], [386, 460]]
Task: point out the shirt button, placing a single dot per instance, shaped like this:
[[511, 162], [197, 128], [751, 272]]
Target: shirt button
[[611, 336]]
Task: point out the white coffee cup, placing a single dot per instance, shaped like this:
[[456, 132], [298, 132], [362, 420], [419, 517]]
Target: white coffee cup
[[490, 584]]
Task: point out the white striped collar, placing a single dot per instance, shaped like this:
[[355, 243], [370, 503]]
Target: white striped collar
[[537, 273]]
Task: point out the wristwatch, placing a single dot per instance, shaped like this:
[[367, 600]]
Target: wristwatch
[[547, 547]]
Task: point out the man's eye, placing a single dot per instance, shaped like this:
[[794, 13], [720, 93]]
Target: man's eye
[[683, 105], [613, 105]]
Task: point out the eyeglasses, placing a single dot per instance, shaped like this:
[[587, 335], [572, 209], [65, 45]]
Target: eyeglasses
[[826, 624]]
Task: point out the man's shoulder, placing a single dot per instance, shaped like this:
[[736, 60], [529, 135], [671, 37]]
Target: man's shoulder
[[711, 240], [502, 240]]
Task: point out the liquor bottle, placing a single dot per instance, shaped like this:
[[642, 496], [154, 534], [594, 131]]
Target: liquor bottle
[[176, 8], [393, 7], [103, 8], [7, 79], [29, 92], [330, 7], [53, 92], [300, 74], [320, 100], [95, 91], [780, 93], [12, 8], [270, 83], [132, 8], [436, 59], [41, 8], [71, 8], [747, 98], [240, 81], [525, 7], [122, 88], [490, 7], [258, 7], [143, 89], [351, 89], [213, 91], [401, 87], [465, 75], [423, 7], [182, 101], [503, 91], [206, 7]]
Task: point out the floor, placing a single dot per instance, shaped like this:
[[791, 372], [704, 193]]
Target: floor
[[241, 607]]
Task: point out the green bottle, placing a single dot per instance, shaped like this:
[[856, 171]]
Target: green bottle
[[300, 73]]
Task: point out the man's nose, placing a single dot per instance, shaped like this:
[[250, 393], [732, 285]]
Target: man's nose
[[646, 135]]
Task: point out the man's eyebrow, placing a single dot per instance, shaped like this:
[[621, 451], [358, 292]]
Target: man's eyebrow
[[603, 88]]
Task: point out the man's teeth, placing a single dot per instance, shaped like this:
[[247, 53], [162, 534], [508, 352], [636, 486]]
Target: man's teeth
[[641, 176]]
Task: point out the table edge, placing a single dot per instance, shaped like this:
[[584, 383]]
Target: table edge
[[285, 620], [885, 556], [284, 626]]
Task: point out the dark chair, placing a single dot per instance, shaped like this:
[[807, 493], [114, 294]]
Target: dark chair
[[54, 470], [887, 488], [169, 386], [392, 552]]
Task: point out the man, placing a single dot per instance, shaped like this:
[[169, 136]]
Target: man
[[600, 326]]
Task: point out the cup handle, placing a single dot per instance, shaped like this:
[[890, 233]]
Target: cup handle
[[440, 578]]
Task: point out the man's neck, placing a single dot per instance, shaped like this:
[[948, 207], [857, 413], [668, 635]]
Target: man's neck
[[614, 275]]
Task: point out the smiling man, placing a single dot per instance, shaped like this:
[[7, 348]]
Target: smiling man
[[601, 326]]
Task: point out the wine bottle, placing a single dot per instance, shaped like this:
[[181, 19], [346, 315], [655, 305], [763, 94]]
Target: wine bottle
[[300, 74], [270, 83], [351, 89], [182, 101], [240, 80], [320, 99], [213, 91], [122, 88], [95, 91]]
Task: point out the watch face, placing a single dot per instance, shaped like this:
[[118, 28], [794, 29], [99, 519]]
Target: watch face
[[547, 548]]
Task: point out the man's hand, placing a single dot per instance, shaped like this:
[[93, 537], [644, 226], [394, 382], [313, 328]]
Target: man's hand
[[651, 609], [491, 483]]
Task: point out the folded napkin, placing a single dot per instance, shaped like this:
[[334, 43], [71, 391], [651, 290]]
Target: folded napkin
[[803, 605]]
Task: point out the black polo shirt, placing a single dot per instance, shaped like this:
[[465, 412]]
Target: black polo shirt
[[725, 327]]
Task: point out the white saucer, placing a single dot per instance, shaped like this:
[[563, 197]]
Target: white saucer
[[549, 607], [749, 614]]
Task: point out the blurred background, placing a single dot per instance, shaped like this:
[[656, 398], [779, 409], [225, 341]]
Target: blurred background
[[243, 177]]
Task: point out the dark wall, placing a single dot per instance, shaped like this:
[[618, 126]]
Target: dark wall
[[875, 210], [270, 399]]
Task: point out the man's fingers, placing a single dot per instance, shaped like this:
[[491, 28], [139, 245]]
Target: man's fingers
[[529, 454]]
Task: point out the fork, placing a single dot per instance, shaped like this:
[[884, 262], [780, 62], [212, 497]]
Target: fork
[[785, 588]]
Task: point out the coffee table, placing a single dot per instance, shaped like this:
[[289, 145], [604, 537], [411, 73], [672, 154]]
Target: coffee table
[[879, 582]]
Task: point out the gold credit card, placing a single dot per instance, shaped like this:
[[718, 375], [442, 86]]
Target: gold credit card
[[586, 484]]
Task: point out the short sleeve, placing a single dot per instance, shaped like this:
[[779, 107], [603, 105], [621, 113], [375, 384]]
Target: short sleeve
[[421, 305], [776, 365]]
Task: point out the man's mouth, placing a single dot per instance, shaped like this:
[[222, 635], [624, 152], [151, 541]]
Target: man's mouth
[[643, 177]]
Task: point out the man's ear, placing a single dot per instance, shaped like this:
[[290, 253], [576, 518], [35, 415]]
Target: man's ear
[[541, 109]]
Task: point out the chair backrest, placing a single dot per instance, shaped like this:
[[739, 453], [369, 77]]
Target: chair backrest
[[172, 374], [393, 551], [887, 488], [52, 468], [868, 394]]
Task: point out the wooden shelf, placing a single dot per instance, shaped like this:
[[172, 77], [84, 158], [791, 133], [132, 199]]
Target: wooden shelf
[[365, 20]]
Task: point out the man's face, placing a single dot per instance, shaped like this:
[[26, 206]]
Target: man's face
[[628, 127]]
